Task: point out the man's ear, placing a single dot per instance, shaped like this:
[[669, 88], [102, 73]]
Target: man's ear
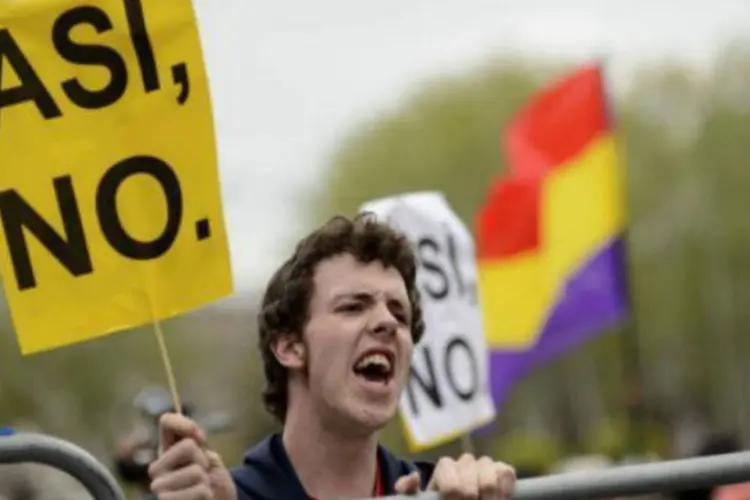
[[289, 351]]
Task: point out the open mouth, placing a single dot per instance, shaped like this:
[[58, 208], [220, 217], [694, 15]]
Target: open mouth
[[375, 366]]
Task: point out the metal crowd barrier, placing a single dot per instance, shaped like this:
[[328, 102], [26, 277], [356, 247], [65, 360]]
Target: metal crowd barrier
[[623, 481], [19, 448], [631, 480]]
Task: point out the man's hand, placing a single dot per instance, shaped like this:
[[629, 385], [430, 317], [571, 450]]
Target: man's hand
[[465, 479], [186, 469]]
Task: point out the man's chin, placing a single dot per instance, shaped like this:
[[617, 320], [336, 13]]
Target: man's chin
[[369, 418]]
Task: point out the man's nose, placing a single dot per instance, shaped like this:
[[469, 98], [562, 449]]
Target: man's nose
[[384, 323]]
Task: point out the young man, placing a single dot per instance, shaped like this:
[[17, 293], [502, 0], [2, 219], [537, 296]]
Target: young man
[[338, 324]]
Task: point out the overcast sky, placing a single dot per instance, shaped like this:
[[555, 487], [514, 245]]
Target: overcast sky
[[289, 77]]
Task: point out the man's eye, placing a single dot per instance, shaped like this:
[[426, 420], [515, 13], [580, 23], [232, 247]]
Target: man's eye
[[352, 307], [401, 318]]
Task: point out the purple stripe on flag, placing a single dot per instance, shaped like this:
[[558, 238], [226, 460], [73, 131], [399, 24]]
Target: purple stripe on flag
[[595, 298]]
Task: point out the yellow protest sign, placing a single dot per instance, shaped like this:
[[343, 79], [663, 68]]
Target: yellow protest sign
[[109, 192]]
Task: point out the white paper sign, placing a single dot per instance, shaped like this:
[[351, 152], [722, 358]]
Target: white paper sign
[[448, 390]]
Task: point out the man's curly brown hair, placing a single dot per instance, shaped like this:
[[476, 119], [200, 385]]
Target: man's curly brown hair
[[285, 306]]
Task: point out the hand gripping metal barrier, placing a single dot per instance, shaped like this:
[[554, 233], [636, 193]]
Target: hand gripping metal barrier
[[19, 448], [630, 480]]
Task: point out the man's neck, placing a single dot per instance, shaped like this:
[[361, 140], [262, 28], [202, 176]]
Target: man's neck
[[329, 465]]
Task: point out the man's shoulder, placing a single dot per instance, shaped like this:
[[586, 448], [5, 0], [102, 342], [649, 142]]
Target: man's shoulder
[[266, 473]]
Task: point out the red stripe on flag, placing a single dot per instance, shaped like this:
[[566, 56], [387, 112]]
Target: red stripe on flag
[[508, 224], [558, 123]]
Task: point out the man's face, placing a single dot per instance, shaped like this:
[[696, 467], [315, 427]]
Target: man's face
[[358, 341]]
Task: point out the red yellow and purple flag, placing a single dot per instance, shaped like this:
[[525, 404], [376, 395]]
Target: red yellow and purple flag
[[550, 237]]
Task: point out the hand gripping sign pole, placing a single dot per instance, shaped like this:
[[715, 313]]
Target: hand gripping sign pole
[[22, 448], [630, 480]]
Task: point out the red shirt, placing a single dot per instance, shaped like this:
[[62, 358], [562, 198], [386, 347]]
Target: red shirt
[[377, 489]]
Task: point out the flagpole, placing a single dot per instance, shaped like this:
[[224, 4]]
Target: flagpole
[[629, 348]]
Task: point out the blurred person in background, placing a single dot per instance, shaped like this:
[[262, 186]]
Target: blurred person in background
[[34, 481], [129, 468], [338, 325], [732, 492], [16, 483], [38, 482], [718, 444], [135, 450]]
